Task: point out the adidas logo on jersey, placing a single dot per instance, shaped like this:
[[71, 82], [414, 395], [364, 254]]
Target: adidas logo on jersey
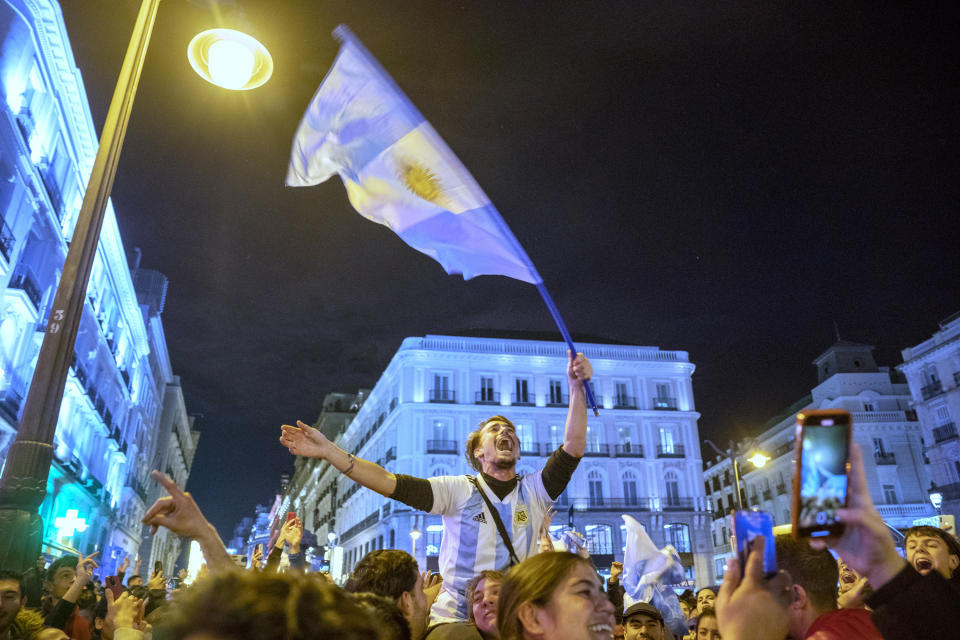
[[482, 519]]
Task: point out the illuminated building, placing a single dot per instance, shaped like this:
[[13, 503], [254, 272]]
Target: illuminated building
[[642, 454], [933, 373], [108, 433], [884, 426]]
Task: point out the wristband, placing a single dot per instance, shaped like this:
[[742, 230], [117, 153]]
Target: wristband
[[347, 471]]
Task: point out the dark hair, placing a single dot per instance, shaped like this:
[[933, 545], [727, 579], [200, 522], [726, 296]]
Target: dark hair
[[16, 576], [253, 605], [815, 571], [385, 572], [486, 574], [534, 580], [708, 612], [385, 612], [64, 561], [473, 439]]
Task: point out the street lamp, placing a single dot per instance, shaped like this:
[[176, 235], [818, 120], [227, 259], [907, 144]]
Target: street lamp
[[414, 536], [758, 459], [24, 480], [230, 59]]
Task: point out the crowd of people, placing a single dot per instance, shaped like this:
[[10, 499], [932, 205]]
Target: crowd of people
[[497, 580]]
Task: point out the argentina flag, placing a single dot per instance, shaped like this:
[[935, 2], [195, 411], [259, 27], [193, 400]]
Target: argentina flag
[[398, 171]]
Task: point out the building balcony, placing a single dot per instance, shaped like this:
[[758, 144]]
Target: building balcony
[[7, 240], [945, 432], [529, 448], [486, 397], [767, 494], [595, 449], [558, 400], [676, 451], [628, 450], [441, 446], [931, 390], [443, 395], [948, 491], [624, 402], [523, 400], [664, 404], [782, 489], [882, 458], [720, 515], [676, 504], [612, 504], [390, 455], [25, 280]]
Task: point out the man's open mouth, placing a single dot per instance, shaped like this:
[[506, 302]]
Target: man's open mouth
[[923, 564], [505, 444]]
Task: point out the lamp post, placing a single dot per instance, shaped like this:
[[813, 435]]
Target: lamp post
[[758, 459], [24, 480], [414, 536]]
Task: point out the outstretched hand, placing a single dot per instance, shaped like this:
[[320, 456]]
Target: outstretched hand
[[304, 440], [85, 567], [177, 512]]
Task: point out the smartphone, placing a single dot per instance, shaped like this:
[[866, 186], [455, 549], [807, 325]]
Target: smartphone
[[113, 583], [747, 525], [291, 515], [157, 567], [822, 456]]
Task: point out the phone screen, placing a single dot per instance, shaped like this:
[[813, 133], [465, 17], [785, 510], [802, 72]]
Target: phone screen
[[823, 473], [747, 525]]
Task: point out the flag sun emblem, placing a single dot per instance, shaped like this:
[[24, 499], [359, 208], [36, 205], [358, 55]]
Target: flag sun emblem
[[421, 181]]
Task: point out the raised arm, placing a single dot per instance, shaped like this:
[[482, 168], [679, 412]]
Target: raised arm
[[304, 440], [579, 371], [180, 514]]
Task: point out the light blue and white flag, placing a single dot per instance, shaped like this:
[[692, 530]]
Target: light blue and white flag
[[647, 572], [398, 171]]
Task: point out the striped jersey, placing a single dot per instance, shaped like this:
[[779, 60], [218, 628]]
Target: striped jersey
[[471, 542]]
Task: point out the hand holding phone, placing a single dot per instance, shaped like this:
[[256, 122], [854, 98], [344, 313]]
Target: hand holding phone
[[820, 479], [747, 525]]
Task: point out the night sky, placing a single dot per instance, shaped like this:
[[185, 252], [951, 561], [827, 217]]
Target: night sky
[[724, 178]]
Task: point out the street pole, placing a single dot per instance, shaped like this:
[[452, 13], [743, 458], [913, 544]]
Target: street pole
[[24, 480]]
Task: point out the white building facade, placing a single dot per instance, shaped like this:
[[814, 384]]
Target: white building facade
[[107, 433], [642, 453], [932, 369], [884, 426]]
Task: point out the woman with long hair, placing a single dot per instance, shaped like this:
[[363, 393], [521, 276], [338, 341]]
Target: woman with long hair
[[555, 595]]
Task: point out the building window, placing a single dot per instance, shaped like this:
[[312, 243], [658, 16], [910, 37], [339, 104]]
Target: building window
[[556, 437], [678, 535], [442, 390], [878, 447], [630, 488], [525, 433], [599, 538], [434, 534], [889, 494], [666, 440], [716, 483], [622, 397], [595, 485], [487, 393], [672, 486], [556, 393], [522, 393]]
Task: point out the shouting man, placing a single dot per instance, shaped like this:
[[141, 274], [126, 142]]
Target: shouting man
[[473, 508]]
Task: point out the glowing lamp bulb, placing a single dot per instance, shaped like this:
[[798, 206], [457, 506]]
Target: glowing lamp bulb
[[230, 59], [758, 459], [231, 64]]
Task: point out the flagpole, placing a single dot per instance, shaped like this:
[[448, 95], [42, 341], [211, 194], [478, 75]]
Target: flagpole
[[566, 336]]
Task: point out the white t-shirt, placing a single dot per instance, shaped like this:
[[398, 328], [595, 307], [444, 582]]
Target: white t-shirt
[[471, 542]]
